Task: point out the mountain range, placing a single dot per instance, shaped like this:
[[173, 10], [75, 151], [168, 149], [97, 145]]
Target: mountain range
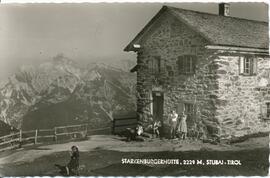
[[61, 92]]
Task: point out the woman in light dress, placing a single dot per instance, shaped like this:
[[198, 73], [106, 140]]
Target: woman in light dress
[[182, 127]]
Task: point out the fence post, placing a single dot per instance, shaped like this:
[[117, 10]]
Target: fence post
[[55, 134], [36, 134], [20, 139], [86, 130], [113, 126]]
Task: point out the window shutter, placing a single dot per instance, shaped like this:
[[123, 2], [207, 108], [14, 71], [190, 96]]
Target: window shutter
[[194, 64], [149, 65], [158, 64], [154, 67], [241, 65], [263, 110], [180, 63], [162, 65], [185, 64], [194, 113], [254, 66]]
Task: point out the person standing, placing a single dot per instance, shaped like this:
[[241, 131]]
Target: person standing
[[182, 128], [173, 116]]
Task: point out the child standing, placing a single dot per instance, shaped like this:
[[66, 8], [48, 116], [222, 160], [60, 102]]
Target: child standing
[[156, 127]]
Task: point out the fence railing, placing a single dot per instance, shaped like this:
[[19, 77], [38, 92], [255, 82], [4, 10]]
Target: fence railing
[[17, 139]]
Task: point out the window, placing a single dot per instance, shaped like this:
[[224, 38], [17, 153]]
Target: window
[[186, 64], [170, 71], [154, 65], [190, 112], [248, 66], [189, 109], [268, 110]]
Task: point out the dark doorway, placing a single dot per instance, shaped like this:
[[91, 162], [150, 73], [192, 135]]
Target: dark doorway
[[158, 99]]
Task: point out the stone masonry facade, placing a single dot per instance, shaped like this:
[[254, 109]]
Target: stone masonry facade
[[224, 103], [243, 108]]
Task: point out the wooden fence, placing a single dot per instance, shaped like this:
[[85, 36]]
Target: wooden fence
[[16, 140]]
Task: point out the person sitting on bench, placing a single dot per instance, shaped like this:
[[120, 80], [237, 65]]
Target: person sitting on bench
[[135, 134], [72, 168]]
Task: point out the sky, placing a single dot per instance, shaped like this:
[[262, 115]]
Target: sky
[[32, 33]]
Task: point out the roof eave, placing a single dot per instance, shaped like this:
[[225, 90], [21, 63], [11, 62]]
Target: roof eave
[[264, 51], [129, 47]]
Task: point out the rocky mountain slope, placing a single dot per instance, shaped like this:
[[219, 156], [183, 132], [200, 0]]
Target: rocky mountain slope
[[60, 92]]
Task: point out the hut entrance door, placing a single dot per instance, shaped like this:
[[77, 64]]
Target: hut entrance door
[[158, 100]]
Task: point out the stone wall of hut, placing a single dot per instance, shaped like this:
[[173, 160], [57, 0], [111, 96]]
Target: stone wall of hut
[[225, 103]]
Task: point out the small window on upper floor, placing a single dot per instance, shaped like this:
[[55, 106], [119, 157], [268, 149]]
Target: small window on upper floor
[[186, 64], [154, 65], [247, 66]]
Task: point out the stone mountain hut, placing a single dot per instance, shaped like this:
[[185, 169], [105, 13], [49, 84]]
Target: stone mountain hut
[[214, 67]]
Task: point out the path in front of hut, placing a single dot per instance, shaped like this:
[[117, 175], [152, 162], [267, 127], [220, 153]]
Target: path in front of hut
[[101, 155]]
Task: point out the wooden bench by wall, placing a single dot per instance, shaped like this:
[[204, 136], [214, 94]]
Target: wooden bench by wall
[[121, 123]]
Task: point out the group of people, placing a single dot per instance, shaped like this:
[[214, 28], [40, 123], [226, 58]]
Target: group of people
[[178, 125]]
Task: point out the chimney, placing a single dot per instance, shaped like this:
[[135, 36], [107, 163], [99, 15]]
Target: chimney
[[224, 9]]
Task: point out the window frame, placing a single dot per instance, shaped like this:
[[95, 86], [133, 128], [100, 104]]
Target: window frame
[[189, 108], [154, 65], [187, 64], [248, 65]]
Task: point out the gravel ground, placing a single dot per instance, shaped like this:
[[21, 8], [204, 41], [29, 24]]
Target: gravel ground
[[101, 155]]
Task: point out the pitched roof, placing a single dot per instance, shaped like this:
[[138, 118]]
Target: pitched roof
[[218, 30]]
